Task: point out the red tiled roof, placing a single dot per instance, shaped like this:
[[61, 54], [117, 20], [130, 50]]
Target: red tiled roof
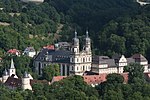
[[58, 78], [13, 51], [92, 79], [125, 76], [51, 47], [95, 79]]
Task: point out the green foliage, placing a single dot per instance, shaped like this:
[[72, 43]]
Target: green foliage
[[50, 71], [135, 73]]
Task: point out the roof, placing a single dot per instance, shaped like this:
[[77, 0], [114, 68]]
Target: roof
[[94, 79], [130, 60], [111, 63], [17, 82], [39, 81], [12, 64], [29, 49], [56, 56], [99, 59], [58, 78], [50, 47], [103, 60], [63, 44], [13, 82], [13, 51], [139, 57]]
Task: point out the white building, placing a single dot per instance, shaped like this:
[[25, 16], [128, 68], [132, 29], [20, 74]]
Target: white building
[[29, 51], [11, 80], [34, 1], [76, 61]]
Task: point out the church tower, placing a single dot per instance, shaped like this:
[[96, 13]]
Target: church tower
[[75, 56], [87, 43], [26, 82], [5, 76], [12, 70], [80, 61], [75, 44]]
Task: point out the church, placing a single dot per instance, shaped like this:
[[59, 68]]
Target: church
[[76, 61]]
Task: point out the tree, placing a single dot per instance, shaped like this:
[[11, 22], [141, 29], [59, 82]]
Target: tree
[[50, 71], [135, 73]]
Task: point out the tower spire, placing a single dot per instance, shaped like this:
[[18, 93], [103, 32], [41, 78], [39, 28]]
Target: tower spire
[[12, 64], [75, 34], [87, 34]]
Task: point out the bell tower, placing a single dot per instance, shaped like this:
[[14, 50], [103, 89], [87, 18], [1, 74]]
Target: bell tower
[[87, 43], [75, 44]]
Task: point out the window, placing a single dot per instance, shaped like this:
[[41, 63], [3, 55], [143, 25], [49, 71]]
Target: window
[[77, 67], [89, 58], [83, 59], [83, 67], [77, 59]]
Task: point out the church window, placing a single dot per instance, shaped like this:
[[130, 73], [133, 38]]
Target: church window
[[83, 67], [77, 67], [83, 59], [89, 58]]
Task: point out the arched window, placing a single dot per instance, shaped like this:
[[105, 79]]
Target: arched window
[[83, 67], [77, 67], [83, 59]]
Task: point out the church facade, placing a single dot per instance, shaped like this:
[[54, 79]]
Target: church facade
[[76, 61]]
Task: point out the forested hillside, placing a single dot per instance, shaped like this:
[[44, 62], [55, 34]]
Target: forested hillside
[[115, 26]]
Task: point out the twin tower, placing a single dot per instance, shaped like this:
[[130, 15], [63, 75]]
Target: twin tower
[[80, 61]]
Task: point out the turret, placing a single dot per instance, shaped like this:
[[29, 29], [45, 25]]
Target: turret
[[5, 76], [87, 43], [26, 82]]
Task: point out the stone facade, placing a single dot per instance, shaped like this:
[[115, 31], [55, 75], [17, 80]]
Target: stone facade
[[76, 61]]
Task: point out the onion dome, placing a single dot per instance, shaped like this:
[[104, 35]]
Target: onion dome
[[25, 75], [88, 40], [5, 72], [75, 39]]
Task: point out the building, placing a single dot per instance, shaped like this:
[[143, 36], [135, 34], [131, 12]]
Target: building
[[11, 80], [76, 61], [13, 52], [29, 51], [34, 1]]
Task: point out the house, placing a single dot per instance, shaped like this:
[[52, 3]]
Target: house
[[76, 61], [14, 52], [29, 51]]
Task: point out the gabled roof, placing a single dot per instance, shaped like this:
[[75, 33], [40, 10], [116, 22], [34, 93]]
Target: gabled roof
[[139, 57]]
